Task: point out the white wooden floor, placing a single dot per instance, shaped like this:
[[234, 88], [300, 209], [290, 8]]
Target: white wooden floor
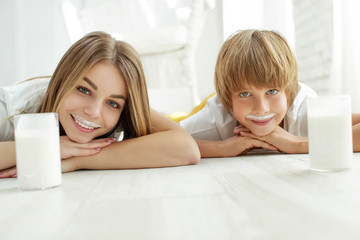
[[249, 197]]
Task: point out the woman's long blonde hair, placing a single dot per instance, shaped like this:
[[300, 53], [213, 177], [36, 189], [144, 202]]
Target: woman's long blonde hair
[[98, 47]]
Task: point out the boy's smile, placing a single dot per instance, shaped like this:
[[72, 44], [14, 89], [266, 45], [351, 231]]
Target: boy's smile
[[260, 110]]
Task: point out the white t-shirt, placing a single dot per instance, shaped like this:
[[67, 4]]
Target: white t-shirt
[[23, 97], [213, 122]]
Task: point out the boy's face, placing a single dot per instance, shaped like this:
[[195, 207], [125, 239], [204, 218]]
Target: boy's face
[[260, 110]]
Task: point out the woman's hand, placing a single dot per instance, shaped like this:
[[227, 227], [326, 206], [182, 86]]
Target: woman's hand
[[70, 149], [8, 173], [279, 138]]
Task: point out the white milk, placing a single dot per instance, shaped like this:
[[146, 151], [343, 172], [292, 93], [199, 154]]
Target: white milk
[[330, 141], [37, 151]]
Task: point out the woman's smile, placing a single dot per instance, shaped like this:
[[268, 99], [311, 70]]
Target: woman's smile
[[83, 125]]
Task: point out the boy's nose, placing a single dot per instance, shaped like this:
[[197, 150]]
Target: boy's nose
[[261, 106]]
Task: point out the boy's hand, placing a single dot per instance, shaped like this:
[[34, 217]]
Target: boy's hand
[[70, 149], [238, 145], [280, 139]]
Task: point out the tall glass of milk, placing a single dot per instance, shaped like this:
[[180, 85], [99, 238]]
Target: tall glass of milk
[[330, 133], [37, 145]]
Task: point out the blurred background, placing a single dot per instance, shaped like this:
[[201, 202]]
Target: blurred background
[[178, 40]]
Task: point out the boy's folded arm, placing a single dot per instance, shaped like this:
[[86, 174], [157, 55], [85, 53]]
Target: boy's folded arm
[[231, 147], [282, 140]]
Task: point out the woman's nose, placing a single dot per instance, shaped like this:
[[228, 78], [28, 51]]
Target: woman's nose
[[93, 109]]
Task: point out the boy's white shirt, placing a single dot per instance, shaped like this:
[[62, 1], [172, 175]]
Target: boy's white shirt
[[214, 123]]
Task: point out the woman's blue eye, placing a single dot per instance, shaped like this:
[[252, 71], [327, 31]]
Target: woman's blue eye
[[84, 90], [113, 104], [244, 94], [273, 91]]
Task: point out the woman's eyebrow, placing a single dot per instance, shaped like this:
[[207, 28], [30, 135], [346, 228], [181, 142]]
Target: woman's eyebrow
[[90, 83], [95, 87], [118, 96]]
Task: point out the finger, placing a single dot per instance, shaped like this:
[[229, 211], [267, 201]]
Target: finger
[[8, 173], [82, 152], [93, 145], [239, 129], [236, 130], [249, 134], [261, 144], [104, 140]]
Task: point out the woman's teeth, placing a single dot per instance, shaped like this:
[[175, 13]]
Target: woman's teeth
[[83, 125]]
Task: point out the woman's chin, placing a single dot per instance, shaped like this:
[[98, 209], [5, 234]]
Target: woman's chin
[[79, 139]]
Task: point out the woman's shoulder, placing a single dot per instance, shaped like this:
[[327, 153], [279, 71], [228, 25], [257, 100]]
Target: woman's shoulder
[[23, 95]]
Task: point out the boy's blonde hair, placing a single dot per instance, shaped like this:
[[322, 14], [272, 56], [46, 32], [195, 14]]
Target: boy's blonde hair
[[99, 47], [258, 58]]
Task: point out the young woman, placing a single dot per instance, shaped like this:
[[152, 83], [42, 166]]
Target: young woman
[[99, 92]]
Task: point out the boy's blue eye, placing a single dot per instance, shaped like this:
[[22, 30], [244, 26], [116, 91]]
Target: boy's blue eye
[[273, 92], [84, 90], [113, 104], [244, 94]]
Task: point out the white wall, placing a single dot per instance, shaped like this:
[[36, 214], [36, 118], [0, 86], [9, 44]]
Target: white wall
[[33, 39], [314, 41], [7, 42], [259, 14], [208, 49]]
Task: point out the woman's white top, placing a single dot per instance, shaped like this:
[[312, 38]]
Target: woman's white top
[[213, 122], [16, 99]]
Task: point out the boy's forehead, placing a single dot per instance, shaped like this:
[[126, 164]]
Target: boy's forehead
[[249, 86]]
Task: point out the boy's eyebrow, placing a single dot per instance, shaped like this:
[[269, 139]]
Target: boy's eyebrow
[[90, 83], [93, 85]]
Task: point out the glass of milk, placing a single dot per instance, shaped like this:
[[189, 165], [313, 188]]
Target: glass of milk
[[37, 145], [330, 133]]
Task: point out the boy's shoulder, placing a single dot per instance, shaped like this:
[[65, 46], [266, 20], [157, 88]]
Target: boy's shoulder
[[304, 92], [306, 89], [213, 122]]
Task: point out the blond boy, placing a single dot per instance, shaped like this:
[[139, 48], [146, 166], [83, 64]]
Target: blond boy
[[259, 101]]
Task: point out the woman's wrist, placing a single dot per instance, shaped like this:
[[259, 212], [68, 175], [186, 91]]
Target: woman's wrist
[[70, 165], [303, 145]]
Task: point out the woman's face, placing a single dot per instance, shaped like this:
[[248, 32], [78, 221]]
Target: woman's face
[[93, 108]]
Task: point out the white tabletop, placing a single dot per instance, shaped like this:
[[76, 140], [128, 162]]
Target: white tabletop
[[272, 196]]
